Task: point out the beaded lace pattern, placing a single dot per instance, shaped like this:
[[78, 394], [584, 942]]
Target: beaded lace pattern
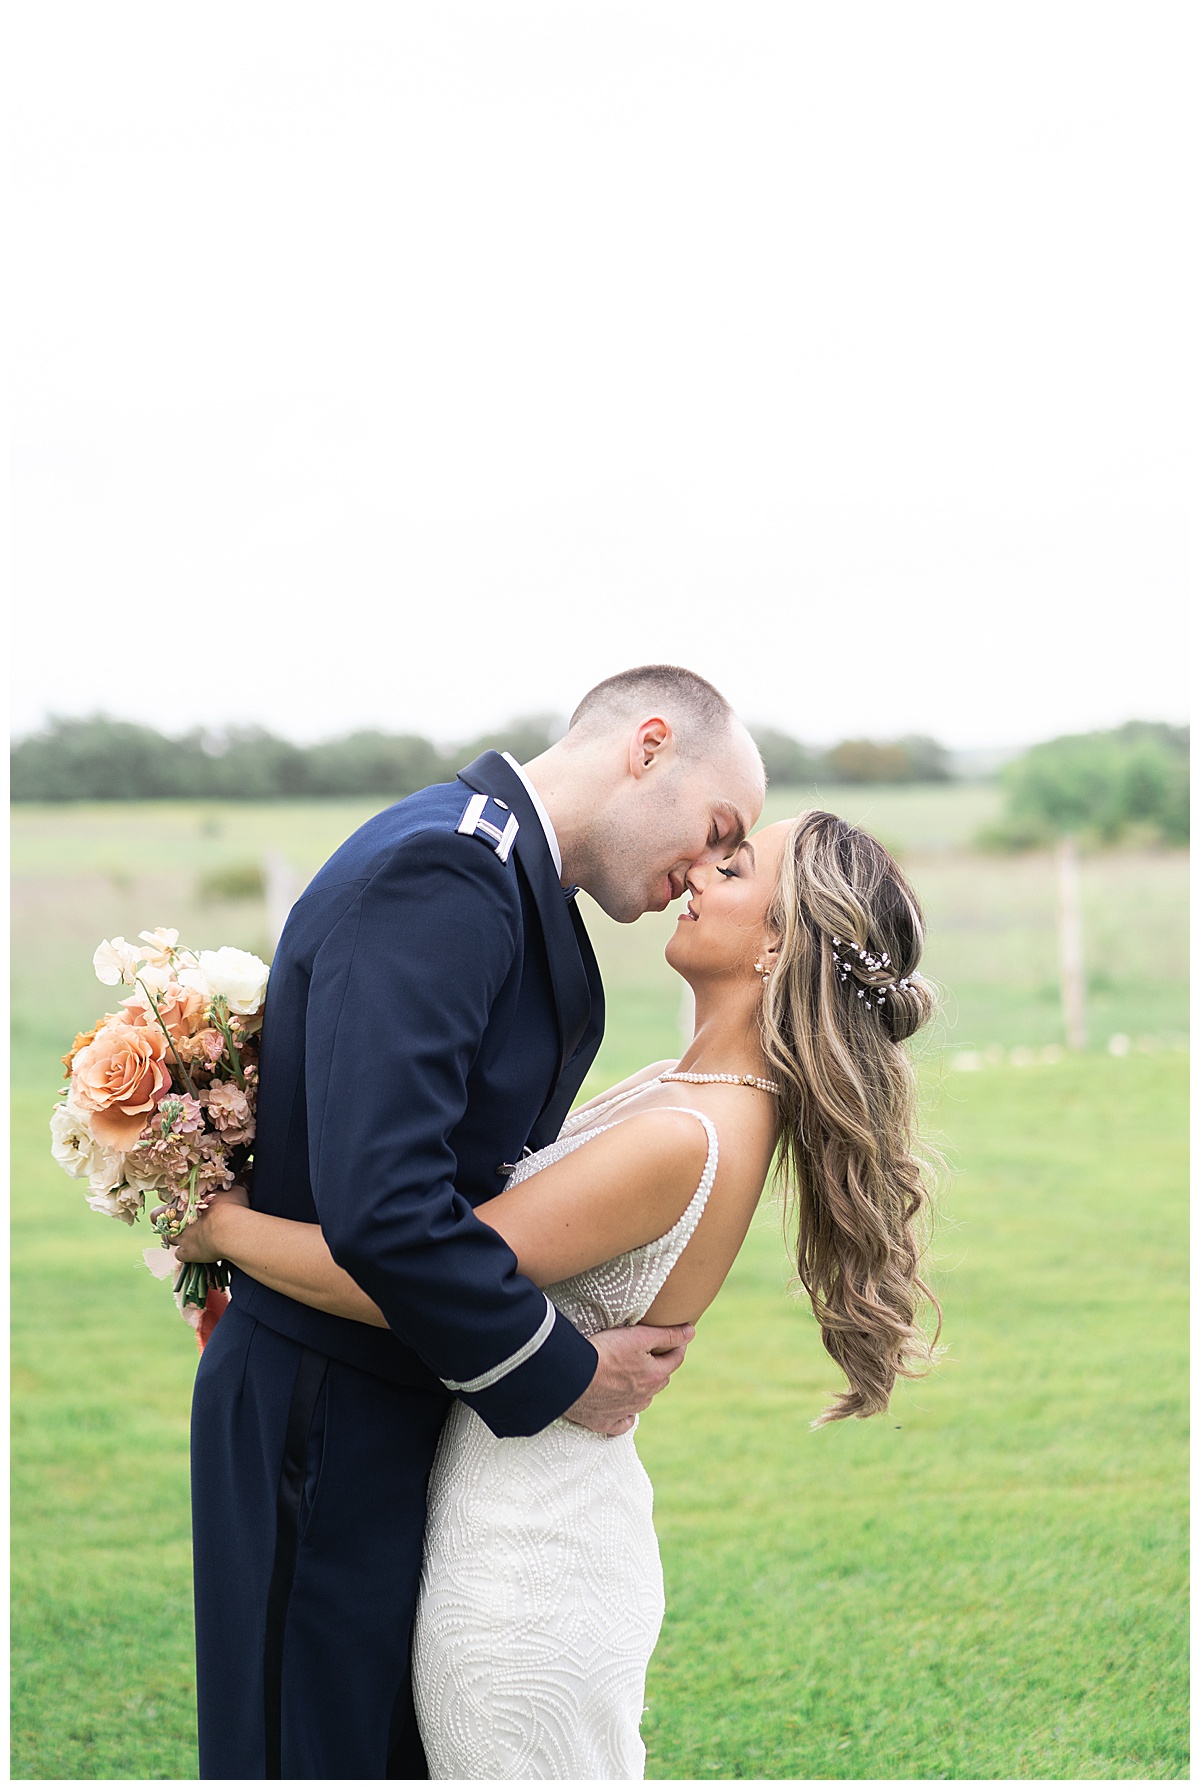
[[541, 1595]]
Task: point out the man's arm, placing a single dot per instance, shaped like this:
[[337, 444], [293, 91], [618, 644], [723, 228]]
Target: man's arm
[[401, 994], [635, 1363]]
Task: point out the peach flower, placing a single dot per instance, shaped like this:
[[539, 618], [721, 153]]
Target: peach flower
[[229, 1111], [117, 1080], [203, 1048], [182, 1010]]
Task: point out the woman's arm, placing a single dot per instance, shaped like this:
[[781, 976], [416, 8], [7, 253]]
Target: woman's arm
[[617, 1191], [293, 1258]]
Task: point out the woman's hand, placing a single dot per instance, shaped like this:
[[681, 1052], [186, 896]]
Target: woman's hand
[[201, 1241]]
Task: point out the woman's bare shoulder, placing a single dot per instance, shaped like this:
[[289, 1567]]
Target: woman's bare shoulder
[[657, 1142], [617, 1189]]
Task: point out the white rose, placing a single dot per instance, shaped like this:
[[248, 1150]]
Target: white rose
[[239, 976], [192, 976], [117, 1202], [116, 960], [75, 1149], [136, 1183]]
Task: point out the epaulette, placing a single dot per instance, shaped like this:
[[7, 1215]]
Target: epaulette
[[487, 817]]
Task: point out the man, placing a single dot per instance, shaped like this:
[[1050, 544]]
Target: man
[[434, 1007]]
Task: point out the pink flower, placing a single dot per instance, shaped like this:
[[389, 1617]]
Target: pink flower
[[178, 1115], [203, 1047], [117, 1079], [229, 1110]]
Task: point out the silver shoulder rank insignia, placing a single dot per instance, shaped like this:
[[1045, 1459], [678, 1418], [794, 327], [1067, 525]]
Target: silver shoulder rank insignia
[[487, 817]]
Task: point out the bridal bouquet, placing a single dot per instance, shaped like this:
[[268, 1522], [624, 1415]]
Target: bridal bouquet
[[161, 1096]]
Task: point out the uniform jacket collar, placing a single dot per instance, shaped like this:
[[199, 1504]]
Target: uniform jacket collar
[[575, 977]]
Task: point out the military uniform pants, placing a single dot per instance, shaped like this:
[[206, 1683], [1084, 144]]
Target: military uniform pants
[[308, 1513]]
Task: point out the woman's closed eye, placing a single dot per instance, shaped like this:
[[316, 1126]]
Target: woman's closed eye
[[721, 871]]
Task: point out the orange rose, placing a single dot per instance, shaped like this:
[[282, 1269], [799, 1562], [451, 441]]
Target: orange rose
[[117, 1079], [181, 1010]]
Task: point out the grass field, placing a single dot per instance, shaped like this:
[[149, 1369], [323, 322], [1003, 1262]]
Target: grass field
[[988, 1583]]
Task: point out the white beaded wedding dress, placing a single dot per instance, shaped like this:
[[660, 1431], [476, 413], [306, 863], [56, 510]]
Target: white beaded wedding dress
[[541, 1595]]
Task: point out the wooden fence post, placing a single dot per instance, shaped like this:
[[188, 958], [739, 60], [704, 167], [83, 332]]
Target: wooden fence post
[[1070, 944], [280, 888]]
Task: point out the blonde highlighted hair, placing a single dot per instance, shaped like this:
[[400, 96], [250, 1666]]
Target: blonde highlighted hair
[[834, 1021]]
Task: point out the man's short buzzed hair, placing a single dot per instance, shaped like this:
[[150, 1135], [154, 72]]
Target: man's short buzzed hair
[[695, 708]]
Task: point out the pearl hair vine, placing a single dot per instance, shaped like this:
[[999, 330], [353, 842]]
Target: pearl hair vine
[[870, 962]]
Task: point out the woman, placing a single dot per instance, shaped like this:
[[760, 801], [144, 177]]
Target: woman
[[542, 1590]]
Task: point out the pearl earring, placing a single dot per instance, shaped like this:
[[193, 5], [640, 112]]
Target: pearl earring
[[765, 974]]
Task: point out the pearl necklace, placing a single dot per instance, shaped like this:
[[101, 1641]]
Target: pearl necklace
[[741, 1081]]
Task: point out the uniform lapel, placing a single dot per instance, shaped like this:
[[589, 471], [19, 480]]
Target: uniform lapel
[[573, 972]]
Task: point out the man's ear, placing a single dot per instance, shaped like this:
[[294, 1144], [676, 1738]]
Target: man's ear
[[652, 744]]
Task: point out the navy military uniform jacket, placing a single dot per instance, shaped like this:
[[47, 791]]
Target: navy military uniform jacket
[[434, 1006]]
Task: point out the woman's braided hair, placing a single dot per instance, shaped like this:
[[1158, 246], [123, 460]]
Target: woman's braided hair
[[842, 998]]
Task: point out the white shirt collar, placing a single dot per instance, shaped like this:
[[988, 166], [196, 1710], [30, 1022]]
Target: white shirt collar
[[540, 809]]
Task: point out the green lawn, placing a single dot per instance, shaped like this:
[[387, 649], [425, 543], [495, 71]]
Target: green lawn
[[989, 1583]]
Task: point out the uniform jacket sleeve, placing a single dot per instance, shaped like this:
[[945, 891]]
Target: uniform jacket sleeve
[[399, 1000]]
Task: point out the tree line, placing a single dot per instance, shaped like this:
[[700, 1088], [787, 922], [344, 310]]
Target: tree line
[[102, 760], [1130, 781]]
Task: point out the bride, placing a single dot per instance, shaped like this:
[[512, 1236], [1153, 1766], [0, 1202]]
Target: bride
[[541, 1594]]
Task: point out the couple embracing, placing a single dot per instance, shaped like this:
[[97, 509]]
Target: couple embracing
[[423, 1537]]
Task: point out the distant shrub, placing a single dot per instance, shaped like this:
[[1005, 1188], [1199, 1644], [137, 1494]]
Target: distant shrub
[[377, 764], [868, 761], [1103, 786], [249, 764], [928, 761], [525, 737], [915, 759], [786, 761], [232, 882]]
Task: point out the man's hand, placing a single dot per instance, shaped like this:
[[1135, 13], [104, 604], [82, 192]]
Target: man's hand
[[635, 1365]]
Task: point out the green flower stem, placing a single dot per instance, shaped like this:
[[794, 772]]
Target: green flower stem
[[220, 1012], [187, 1080], [197, 1280]]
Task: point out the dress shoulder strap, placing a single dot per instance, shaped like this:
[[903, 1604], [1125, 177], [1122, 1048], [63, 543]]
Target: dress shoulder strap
[[686, 1223]]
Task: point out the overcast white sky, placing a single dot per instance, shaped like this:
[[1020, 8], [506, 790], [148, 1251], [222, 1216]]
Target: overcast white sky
[[419, 363]]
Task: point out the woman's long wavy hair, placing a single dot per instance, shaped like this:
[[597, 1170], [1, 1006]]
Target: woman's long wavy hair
[[842, 998]]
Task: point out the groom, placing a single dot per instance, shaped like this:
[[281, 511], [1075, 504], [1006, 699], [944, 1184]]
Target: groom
[[434, 1007]]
